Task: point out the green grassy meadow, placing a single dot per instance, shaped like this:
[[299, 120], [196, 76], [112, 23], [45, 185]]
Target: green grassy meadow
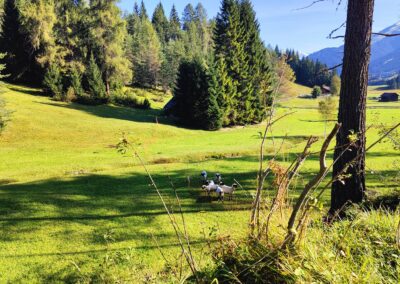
[[72, 207]]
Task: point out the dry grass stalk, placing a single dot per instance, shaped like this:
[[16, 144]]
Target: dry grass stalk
[[123, 147], [283, 182]]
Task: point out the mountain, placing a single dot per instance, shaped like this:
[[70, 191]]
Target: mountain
[[385, 60]]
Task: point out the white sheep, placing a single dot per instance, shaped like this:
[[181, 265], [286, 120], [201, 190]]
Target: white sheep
[[210, 187], [224, 189]]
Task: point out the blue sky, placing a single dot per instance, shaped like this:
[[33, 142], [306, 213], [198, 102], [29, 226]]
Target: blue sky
[[283, 24]]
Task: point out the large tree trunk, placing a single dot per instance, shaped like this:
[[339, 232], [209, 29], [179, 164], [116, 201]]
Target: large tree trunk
[[352, 108]]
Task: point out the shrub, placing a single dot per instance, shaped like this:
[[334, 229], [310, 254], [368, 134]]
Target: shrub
[[335, 85], [129, 99], [70, 95], [87, 99], [316, 92], [3, 115], [53, 82]]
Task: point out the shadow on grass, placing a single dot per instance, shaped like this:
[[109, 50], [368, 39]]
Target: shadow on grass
[[96, 195], [121, 113], [27, 90]]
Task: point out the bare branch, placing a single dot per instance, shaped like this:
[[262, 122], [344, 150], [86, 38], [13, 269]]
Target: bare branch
[[330, 68], [310, 5], [386, 35], [335, 30], [313, 183]]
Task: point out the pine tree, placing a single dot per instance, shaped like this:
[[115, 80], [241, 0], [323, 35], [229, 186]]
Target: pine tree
[[194, 104], [160, 23], [143, 11], [188, 16], [76, 81], [222, 87], [94, 79], [228, 39], [19, 59], [174, 30], [174, 52], [53, 82], [145, 50]]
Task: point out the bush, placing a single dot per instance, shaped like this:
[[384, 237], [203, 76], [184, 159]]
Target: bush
[[335, 85], [70, 96], [129, 99], [316, 92], [87, 99], [53, 82], [3, 115]]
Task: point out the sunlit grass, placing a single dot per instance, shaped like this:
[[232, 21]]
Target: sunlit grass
[[68, 198]]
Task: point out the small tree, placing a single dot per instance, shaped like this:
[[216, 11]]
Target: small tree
[[335, 85], [52, 82], [76, 82], [327, 109], [316, 92], [3, 112], [96, 86]]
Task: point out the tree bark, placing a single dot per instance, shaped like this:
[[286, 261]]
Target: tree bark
[[350, 165]]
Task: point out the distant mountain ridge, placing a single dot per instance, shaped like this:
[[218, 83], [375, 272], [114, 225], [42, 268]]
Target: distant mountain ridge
[[385, 60]]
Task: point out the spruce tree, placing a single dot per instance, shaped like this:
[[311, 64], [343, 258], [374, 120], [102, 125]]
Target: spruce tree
[[174, 30], [256, 84], [53, 82], [160, 23], [228, 39], [188, 16], [19, 60], [76, 81], [143, 11], [94, 80], [145, 50], [174, 52]]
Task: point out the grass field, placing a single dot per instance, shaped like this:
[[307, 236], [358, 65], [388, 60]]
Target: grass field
[[72, 207]]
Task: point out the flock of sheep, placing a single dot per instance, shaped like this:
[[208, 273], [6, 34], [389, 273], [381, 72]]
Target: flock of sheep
[[217, 186]]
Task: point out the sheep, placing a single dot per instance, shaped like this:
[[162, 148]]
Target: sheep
[[204, 176], [224, 189], [218, 179], [210, 187]]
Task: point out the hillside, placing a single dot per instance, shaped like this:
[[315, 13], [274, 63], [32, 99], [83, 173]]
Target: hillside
[[385, 60], [68, 197]]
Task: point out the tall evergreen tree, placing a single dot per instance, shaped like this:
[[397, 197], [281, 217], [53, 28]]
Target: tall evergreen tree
[[145, 50], [174, 30], [160, 23], [194, 105], [20, 56], [143, 11], [94, 81], [228, 44], [174, 52], [188, 16]]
